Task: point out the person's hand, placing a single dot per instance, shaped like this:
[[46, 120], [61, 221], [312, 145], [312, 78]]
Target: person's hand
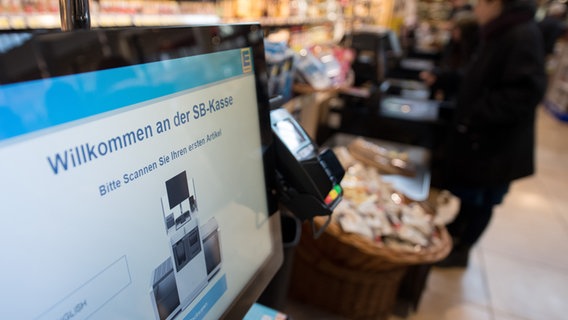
[[428, 77]]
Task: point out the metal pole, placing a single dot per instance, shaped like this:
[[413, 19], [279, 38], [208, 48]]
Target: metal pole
[[75, 14]]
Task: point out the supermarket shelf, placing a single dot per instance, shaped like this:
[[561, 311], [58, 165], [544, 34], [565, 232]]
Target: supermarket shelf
[[51, 21], [106, 20], [284, 22], [29, 21], [293, 21]]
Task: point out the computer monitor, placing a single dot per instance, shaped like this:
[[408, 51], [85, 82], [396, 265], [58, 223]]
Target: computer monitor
[[178, 190], [377, 51], [102, 133]]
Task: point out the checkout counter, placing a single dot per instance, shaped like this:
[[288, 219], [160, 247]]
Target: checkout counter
[[394, 113]]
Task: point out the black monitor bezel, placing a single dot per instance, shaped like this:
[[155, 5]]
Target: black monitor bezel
[[209, 39]]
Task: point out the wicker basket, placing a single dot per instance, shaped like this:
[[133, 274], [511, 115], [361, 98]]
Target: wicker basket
[[357, 252], [349, 275]]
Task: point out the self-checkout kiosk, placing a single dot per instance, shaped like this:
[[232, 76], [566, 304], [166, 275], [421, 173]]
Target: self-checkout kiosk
[[170, 265]]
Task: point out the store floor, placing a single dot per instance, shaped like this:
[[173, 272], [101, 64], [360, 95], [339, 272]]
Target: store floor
[[519, 270]]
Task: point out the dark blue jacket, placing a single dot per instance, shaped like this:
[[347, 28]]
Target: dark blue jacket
[[492, 138]]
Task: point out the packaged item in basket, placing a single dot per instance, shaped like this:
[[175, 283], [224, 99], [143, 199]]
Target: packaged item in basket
[[386, 227], [393, 213], [412, 235], [368, 206], [355, 194], [375, 217], [354, 223], [355, 184], [401, 246], [351, 221], [413, 215], [386, 160]]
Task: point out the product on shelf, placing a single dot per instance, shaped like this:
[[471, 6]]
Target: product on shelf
[[324, 67], [312, 71], [280, 65]]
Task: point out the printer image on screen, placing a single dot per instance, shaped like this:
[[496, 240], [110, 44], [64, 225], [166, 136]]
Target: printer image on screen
[[195, 250]]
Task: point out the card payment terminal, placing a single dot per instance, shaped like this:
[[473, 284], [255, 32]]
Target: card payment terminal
[[308, 178]]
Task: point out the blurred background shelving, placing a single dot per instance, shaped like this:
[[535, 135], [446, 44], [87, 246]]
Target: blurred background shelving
[[317, 20]]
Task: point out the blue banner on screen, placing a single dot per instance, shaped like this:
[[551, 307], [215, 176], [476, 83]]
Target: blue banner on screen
[[205, 304], [74, 97]]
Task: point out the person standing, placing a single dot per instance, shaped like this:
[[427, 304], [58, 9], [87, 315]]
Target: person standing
[[491, 139], [457, 53]]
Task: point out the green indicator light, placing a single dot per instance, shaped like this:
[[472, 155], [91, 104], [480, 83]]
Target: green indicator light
[[337, 188]]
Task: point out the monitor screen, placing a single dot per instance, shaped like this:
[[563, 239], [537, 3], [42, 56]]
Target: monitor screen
[[178, 189], [107, 137]]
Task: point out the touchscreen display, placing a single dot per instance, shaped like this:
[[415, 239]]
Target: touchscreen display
[[133, 192]]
